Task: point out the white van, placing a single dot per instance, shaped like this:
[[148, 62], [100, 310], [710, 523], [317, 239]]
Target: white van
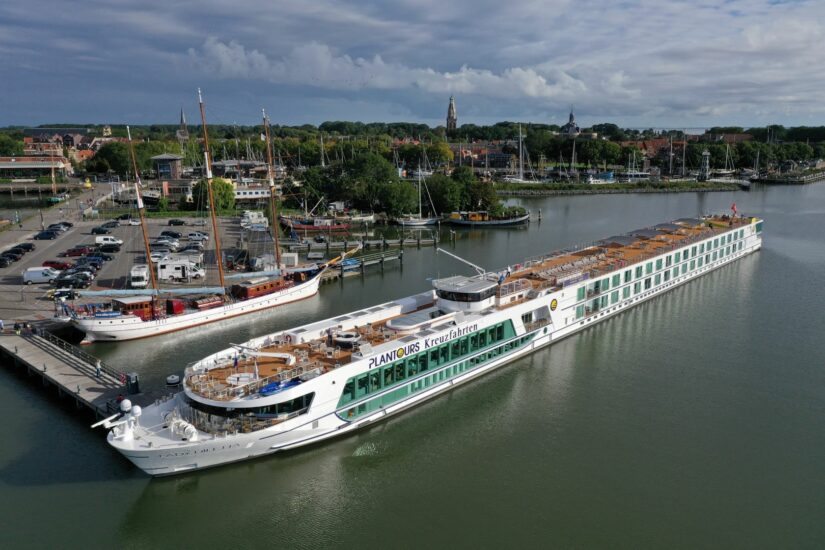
[[177, 270], [108, 239], [40, 275], [139, 276]]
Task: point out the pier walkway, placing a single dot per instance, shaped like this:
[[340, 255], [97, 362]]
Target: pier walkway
[[75, 373]]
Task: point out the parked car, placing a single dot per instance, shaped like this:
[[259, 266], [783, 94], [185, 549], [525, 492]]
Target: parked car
[[70, 282], [134, 221], [5, 262], [167, 242], [191, 247], [78, 251], [112, 224], [57, 264], [28, 247], [57, 228], [12, 255], [175, 221], [80, 272], [17, 250], [100, 231], [172, 234], [46, 236], [61, 294], [197, 236], [67, 225], [200, 222], [158, 256], [88, 261], [40, 275], [109, 248], [124, 217], [100, 256]]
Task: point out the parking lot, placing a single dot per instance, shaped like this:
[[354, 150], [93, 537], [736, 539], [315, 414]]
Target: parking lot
[[32, 302]]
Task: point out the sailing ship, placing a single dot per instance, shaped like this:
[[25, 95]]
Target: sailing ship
[[520, 177], [310, 383], [482, 218], [141, 316], [420, 220]]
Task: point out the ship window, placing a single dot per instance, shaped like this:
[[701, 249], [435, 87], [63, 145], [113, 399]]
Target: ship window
[[445, 353], [465, 345], [707, 258], [482, 339], [400, 371], [455, 348], [693, 250], [647, 283], [658, 264], [412, 366], [466, 296], [349, 391], [676, 257], [423, 364], [727, 251], [474, 342], [740, 245], [617, 279], [684, 268], [675, 272], [500, 331], [362, 385], [628, 275], [701, 248], [434, 356], [605, 284], [579, 312], [729, 238], [649, 268], [603, 301], [658, 279], [668, 261], [700, 261], [614, 297], [667, 276], [580, 293], [626, 292], [638, 272], [389, 375], [637, 288], [375, 381]]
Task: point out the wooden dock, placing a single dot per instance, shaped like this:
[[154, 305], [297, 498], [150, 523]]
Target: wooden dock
[[75, 373], [366, 244], [364, 261]]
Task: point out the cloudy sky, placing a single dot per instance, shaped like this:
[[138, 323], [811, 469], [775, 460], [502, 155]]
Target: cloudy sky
[[663, 63]]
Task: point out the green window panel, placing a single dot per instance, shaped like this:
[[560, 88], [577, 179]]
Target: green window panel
[[614, 296], [658, 264], [649, 268], [628, 275], [580, 294], [617, 280], [626, 292], [658, 279]]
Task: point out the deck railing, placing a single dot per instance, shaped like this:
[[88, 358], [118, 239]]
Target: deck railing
[[82, 355]]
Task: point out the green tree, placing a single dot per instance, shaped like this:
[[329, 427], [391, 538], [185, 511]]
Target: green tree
[[222, 190], [396, 197], [116, 156], [447, 194], [10, 147]]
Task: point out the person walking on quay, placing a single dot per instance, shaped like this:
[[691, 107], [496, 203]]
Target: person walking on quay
[[2, 327], [17, 328], [97, 368]]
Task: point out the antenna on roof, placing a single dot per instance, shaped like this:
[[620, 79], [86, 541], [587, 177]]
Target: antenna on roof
[[479, 270]]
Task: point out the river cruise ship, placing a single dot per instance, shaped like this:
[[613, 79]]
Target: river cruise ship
[[310, 383]]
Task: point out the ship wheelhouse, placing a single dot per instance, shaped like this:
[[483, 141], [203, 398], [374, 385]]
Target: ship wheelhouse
[[467, 294]]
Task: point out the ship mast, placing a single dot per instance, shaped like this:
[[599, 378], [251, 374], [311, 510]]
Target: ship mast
[[140, 212], [208, 168], [272, 201]]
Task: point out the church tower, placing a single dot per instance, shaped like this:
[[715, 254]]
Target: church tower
[[452, 117], [183, 133]]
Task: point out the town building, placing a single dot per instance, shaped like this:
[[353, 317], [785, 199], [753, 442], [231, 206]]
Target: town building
[[571, 129], [24, 168], [182, 134], [168, 166]]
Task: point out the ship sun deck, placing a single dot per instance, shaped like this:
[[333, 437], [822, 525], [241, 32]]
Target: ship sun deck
[[283, 358]]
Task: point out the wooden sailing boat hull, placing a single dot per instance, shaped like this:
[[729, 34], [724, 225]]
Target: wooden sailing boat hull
[[418, 222], [491, 223], [131, 327]]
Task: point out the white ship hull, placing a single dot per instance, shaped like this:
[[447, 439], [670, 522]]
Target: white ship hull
[[151, 446], [131, 327]]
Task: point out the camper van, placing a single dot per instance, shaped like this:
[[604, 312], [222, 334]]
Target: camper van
[[179, 270], [40, 275], [139, 276], [108, 239]]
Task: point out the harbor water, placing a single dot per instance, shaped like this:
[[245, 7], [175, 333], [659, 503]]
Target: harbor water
[[692, 420]]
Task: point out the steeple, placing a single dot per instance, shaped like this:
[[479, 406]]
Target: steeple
[[183, 133], [452, 117]]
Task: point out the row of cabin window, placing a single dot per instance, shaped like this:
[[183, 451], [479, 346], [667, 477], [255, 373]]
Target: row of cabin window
[[605, 284], [402, 392], [384, 377], [650, 282]]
